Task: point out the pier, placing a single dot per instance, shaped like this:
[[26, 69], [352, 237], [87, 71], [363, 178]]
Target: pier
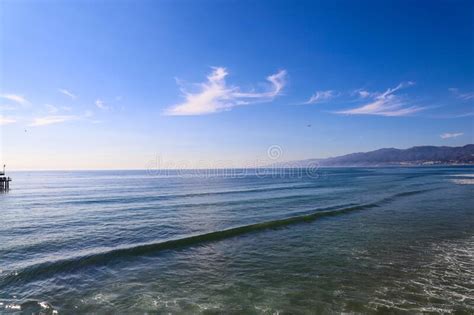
[[4, 181]]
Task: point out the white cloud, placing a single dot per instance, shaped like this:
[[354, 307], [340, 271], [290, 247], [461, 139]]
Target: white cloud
[[448, 135], [6, 120], [364, 94], [53, 119], [215, 95], [385, 104], [464, 96], [55, 109], [101, 104], [57, 119], [15, 98], [361, 93], [320, 97], [68, 93]]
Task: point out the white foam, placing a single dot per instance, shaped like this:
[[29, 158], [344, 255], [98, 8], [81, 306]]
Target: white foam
[[44, 305], [467, 181], [13, 307], [441, 279]]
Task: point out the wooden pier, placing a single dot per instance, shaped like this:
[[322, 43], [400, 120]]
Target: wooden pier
[[4, 181]]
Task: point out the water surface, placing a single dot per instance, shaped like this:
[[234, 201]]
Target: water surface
[[361, 240]]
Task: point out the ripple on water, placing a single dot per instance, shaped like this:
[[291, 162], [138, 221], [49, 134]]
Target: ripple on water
[[439, 286]]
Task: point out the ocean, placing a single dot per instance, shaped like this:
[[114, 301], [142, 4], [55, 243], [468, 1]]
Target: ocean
[[334, 240]]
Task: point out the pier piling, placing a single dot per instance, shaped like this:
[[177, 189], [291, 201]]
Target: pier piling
[[4, 181]]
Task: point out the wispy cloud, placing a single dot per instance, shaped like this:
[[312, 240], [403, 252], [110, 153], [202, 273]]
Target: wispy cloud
[[6, 120], [448, 135], [362, 93], [464, 96], [101, 104], [468, 114], [68, 93], [57, 119], [53, 119], [52, 109], [15, 98], [385, 104], [321, 97], [215, 95]]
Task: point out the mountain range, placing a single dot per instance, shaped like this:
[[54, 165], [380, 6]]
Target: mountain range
[[420, 155]]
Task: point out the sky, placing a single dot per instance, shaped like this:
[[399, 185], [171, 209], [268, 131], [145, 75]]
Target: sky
[[190, 84]]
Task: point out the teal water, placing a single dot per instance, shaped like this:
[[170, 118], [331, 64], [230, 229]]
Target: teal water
[[355, 240]]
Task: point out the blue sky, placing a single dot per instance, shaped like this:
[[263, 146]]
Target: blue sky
[[114, 84]]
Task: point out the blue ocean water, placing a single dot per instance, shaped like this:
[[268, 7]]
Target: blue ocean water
[[357, 240]]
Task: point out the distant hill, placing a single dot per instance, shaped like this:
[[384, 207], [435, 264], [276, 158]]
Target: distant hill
[[422, 155]]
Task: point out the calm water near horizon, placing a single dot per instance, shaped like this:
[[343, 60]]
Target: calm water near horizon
[[357, 240]]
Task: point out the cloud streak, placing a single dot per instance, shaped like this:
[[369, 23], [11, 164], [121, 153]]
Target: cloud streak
[[67, 93], [362, 93], [321, 97], [53, 110], [448, 135], [463, 96], [385, 104], [215, 95], [15, 98], [53, 119]]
